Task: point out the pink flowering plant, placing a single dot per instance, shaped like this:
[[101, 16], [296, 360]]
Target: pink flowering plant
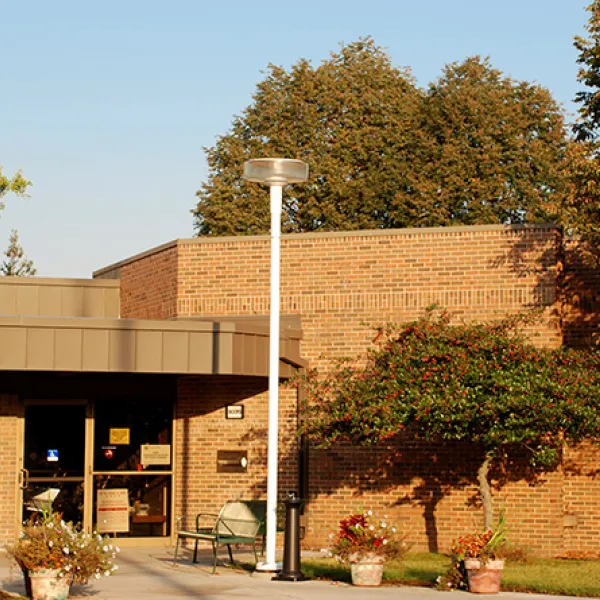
[[363, 535]]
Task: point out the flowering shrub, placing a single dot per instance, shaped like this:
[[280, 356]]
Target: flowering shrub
[[50, 543], [485, 385], [362, 535]]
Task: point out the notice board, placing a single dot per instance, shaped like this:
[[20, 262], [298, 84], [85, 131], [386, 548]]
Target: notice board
[[112, 510]]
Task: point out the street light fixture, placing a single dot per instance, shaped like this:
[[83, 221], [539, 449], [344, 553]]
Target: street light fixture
[[274, 172]]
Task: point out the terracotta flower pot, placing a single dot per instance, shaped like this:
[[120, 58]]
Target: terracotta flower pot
[[367, 570], [484, 578], [46, 584]]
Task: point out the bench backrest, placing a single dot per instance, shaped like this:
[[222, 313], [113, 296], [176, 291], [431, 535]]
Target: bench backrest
[[242, 518]]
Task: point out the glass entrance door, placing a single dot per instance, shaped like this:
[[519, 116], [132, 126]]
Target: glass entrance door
[[132, 469], [104, 464], [54, 459]]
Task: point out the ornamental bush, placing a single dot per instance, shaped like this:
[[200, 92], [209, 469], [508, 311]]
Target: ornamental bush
[[481, 383], [48, 542]]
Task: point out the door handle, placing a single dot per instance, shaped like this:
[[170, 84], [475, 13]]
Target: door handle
[[24, 479]]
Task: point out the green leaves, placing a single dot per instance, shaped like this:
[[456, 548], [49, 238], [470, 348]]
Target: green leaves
[[586, 129], [17, 184], [16, 263], [497, 151], [475, 147], [481, 383]]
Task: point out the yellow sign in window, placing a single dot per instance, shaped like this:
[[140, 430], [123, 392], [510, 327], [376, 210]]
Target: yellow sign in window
[[118, 436]]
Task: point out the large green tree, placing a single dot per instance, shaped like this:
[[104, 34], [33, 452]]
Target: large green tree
[[588, 75], [475, 147], [581, 205], [352, 119], [497, 148], [480, 384]]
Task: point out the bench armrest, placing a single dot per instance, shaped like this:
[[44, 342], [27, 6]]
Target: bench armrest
[[185, 521], [205, 517]]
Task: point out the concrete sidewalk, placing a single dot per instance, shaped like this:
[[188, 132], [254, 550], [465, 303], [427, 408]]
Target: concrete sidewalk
[[149, 574]]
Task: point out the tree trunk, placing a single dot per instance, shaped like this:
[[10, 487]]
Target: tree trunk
[[485, 491]]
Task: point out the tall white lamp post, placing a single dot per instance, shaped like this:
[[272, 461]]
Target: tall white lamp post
[[274, 172]]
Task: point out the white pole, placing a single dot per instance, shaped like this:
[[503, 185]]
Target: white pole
[[276, 192]]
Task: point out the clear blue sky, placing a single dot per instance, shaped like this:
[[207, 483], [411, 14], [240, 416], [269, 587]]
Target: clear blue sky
[[107, 105]]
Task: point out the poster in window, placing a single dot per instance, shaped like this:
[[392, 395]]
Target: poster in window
[[112, 510], [155, 454]]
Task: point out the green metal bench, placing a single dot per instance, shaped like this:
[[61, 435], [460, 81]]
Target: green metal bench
[[239, 522]]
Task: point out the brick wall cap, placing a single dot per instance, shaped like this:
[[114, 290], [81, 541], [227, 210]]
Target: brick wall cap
[[241, 239]]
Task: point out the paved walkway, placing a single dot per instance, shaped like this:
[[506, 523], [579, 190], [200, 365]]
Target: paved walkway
[[149, 574]]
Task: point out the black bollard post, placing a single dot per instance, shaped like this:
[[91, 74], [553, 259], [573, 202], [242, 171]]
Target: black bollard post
[[291, 547]]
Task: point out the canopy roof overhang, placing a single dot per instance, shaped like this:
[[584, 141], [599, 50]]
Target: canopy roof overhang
[[223, 346]]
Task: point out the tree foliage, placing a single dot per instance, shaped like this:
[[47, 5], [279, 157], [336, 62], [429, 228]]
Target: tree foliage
[[589, 75], [17, 184], [476, 383], [352, 120], [497, 148], [475, 147], [16, 263], [580, 209]]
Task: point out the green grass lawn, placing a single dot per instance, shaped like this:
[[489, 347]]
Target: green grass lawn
[[565, 577]]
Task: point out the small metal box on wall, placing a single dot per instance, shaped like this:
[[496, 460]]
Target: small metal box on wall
[[232, 461]]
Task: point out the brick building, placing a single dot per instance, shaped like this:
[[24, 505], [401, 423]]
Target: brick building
[[188, 339]]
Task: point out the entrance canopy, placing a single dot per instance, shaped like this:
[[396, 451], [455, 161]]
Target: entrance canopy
[[216, 347]]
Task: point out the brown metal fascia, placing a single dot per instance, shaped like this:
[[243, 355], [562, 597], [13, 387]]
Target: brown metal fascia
[[57, 282], [136, 346]]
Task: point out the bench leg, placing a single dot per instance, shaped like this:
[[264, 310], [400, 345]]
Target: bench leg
[[214, 545], [230, 554], [176, 549], [195, 558], [255, 554]]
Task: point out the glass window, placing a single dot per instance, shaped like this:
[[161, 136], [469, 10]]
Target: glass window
[[123, 427]]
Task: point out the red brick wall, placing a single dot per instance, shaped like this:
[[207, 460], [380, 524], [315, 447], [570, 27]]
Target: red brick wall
[[149, 285], [340, 284], [202, 429], [430, 492], [581, 500], [8, 466]]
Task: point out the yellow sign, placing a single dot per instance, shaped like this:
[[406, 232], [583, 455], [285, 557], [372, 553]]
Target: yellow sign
[[112, 510], [118, 437]]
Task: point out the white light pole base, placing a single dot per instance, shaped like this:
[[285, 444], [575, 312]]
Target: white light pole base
[[267, 567]]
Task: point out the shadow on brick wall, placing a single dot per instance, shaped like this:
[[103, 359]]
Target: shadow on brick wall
[[580, 289], [416, 475], [565, 275], [411, 479]]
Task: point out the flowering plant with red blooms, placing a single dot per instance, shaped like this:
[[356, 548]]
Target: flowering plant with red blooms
[[484, 545], [363, 535]]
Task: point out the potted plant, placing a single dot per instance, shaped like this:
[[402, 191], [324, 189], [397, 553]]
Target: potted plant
[[365, 542], [476, 561], [54, 554]]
